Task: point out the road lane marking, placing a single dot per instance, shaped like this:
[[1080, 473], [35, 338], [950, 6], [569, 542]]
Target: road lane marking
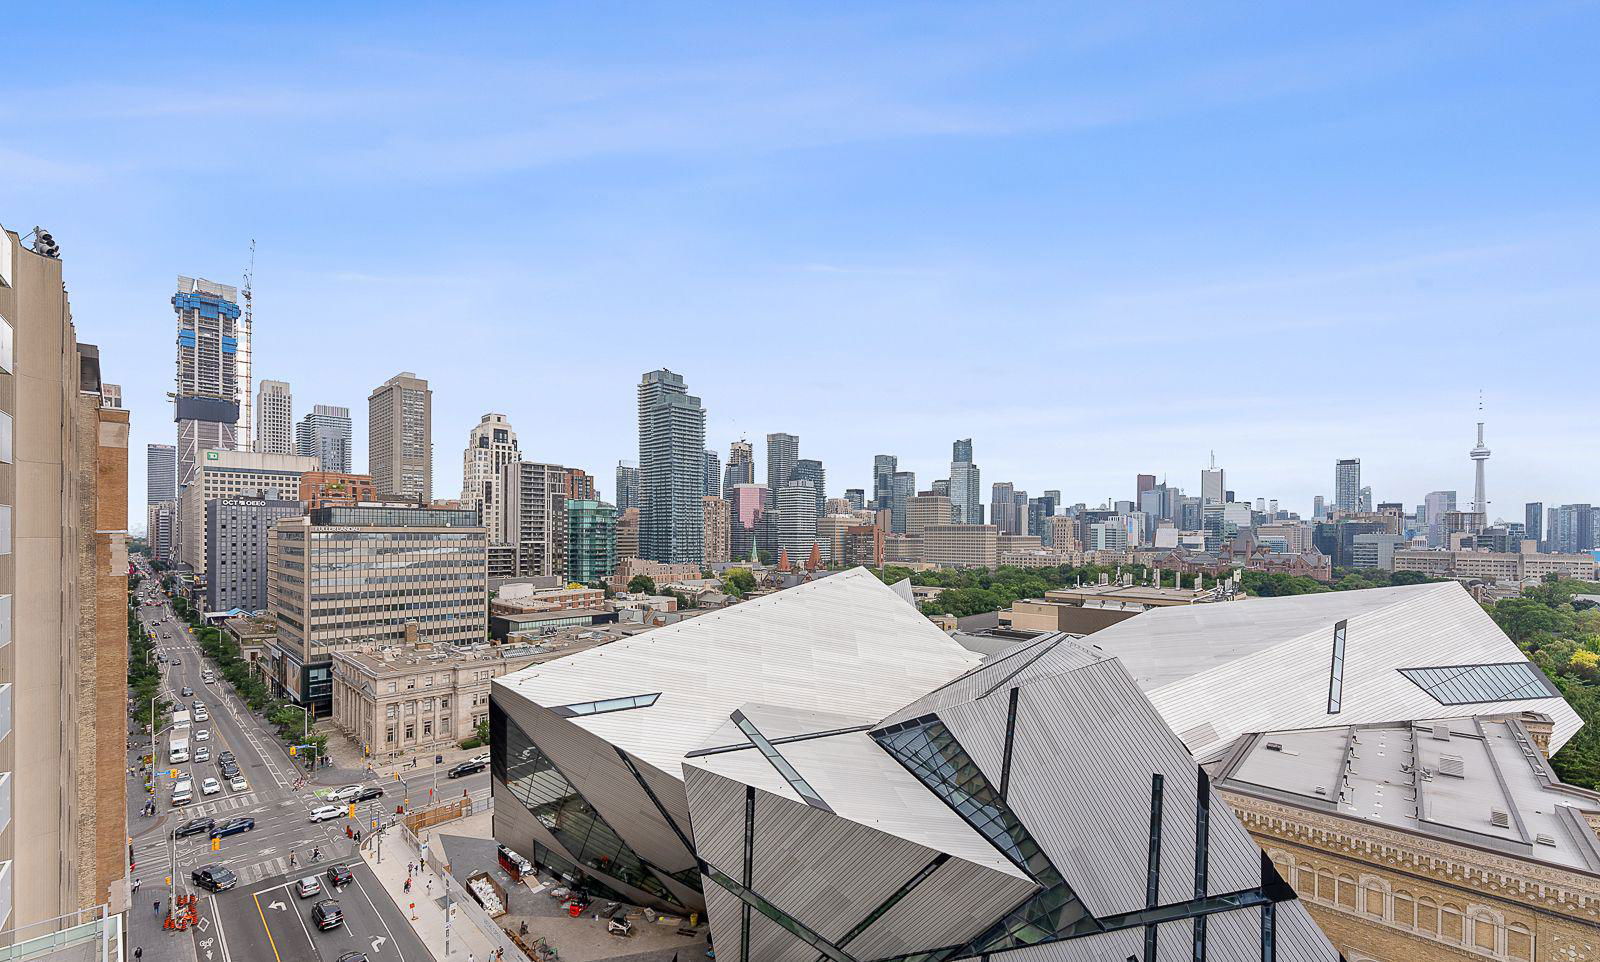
[[379, 914], [265, 927], [222, 935]]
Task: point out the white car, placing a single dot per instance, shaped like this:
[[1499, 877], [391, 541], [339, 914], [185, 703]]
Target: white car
[[202, 715], [203, 734], [482, 759], [344, 793], [238, 784], [202, 754], [324, 812], [210, 787]]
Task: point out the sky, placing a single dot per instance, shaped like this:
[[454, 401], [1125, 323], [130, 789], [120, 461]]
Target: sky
[[1099, 240]]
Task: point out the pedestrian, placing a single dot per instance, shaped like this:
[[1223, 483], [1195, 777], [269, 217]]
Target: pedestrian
[[136, 885], [430, 888], [138, 951], [157, 907], [407, 888]]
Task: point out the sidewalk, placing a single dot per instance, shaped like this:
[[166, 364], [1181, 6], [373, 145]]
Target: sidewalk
[[346, 756], [429, 912]]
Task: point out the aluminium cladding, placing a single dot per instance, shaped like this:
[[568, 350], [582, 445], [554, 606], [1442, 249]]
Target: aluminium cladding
[[1218, 671], [862, 789]]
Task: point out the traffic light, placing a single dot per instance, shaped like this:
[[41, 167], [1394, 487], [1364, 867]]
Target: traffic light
[[216, 845], [352, 810]]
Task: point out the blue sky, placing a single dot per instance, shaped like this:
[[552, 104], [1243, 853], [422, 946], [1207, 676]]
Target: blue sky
[[1099, 240]]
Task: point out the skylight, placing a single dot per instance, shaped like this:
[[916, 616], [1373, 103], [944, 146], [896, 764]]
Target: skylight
[[610, 704], [1475, 684]]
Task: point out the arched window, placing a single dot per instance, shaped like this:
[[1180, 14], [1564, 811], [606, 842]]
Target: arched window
[[1347, 892], [1519, 943], [1427, 916], [1485, 931], [1305, 881], [1405, 910], [1373, 897], [1325, 887], [1451, 923]]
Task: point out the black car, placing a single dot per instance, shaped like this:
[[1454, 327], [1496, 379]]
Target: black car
[[369, 791], [226, 757], [465, 768], [339, 876], [233, 826], [353, 957], [214, 877], [194, 827], [185, 691], [229, 769], [327, 914]]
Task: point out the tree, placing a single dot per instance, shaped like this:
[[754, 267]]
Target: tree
[[642, 584], [738, 582]]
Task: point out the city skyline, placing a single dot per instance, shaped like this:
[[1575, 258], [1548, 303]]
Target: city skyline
[[977, 183]]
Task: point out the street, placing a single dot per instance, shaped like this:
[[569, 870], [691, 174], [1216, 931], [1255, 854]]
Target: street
[[261, 919]]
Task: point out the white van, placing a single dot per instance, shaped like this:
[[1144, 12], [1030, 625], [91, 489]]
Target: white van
[[183, 791]]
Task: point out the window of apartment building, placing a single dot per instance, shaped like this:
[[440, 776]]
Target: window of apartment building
[[389, 735], [391, 711], [428, 681], [444, 702], [5, 529], [411, 732], [410, 683], [444, 724], [7, 345], [427, 728], [427, 704], [411, 708]]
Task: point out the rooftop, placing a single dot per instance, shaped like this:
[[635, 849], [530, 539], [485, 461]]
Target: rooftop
[[1473, 780], [831, 645], [1219, 671]]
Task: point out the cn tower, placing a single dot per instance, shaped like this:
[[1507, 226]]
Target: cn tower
[[1480, 454]]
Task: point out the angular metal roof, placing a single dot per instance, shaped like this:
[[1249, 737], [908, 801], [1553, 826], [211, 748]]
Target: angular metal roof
[[1218, 671], [833, 645]]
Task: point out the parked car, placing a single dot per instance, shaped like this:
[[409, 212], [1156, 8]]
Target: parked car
[[210, 786], [214, 877], [194, 826], [324, 812], [327, 914], [465, 768], [308, 886], [234, 826], [339, 875]]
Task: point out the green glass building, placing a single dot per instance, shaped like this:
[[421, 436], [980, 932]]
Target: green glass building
[[591, 541]]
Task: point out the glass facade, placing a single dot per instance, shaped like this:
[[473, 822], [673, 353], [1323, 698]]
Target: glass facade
[[534, 780], [591, 541], [930, 752], [386, 517], [1475, 684]]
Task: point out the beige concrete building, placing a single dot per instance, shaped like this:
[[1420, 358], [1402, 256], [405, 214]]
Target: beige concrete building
[[628, 534], [961, 545], [1495, 565], [491, 445], [1447, 839], [534, 510], [1297, 536], [658, 571], [396, 699], [332, 585], [924, 510], [718, 527], [400, 437], [63, 611], [232, 474]]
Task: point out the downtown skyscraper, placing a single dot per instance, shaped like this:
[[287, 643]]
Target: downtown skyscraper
[[741, 467], [1347, 485], [212, 399], [274, 418], [783, 450], [400, 438], [966, 492], [627, 485], [324, 434], [672, 445]]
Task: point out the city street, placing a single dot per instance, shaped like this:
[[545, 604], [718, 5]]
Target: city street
[[261, 919]]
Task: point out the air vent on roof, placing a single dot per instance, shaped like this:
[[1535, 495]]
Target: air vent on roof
[[1499, 819], [1543, 839], [1321, 790], [1451, 765], [1274, 746], [1441, 732]]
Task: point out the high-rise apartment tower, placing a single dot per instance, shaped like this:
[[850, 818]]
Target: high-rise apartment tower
[[400, 437], [672, 446]]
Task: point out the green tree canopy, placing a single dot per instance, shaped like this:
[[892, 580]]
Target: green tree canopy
[[642, 584]]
